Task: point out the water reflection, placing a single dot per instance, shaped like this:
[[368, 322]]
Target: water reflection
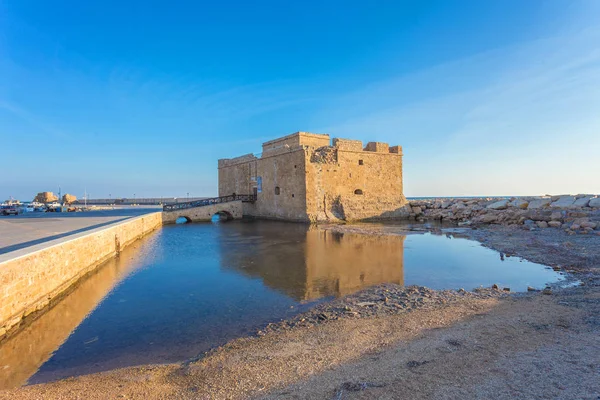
[[307, 264], [22, 354]]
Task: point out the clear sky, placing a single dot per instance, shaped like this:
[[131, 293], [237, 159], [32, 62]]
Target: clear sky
[[122, 97]]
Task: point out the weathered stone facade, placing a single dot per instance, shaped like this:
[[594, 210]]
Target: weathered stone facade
[[306, 177]]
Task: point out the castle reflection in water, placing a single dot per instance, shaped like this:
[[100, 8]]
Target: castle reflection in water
[[308, 263]]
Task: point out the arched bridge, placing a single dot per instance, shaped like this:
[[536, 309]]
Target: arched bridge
[[203, 210]]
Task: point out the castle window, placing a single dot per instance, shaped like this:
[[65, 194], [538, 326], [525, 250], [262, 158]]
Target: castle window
[[360, 162], [292, 194], [358, 191], [277, 191]]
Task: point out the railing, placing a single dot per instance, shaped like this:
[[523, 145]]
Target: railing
[[247, 198]]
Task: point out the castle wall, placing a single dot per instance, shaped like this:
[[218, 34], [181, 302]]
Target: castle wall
[[235, 175], [352, 185], [286, 172]]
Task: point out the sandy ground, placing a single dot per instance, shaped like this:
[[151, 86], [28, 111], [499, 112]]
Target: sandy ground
[[454, 345]]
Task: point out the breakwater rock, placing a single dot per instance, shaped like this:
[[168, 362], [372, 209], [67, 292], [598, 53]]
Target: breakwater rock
[[574, 214]]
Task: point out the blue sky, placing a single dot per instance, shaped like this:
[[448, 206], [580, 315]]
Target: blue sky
[[486, 97]]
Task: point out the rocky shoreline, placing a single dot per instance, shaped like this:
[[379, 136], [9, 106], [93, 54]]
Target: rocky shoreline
[[579, 214], [382, 300]]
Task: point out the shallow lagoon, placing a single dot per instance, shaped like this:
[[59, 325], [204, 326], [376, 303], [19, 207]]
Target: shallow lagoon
[[188, 288]]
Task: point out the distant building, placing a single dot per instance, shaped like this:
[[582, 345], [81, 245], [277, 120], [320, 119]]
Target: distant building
[[307, 177]]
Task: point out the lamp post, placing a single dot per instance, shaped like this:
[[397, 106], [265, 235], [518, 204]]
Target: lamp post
[[134, 199]]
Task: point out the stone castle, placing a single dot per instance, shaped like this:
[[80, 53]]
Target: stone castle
[[309, 177]]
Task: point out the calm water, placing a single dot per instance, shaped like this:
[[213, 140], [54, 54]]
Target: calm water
[[188, 288]]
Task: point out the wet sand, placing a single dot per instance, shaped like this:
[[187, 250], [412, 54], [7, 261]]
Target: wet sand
[[389, 342]]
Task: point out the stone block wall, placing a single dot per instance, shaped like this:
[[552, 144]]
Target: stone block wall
[[355, 185], [31, 277], [235, 175], [283, 194]]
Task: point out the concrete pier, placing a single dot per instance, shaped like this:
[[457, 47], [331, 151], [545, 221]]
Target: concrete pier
[[31, 277]]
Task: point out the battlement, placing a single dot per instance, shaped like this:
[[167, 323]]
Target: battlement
[[295, 140], [374, 147], [225, 162], [377, 147], [348, 144], [396, 150]]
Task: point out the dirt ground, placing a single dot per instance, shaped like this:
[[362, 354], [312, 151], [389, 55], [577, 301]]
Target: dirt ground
[[435, 345]]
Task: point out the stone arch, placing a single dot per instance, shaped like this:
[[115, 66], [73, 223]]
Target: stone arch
[[221, 216], [358, 191], [183, 220]]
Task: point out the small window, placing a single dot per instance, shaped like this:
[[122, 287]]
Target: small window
[[360, 162], [295, 166], [358, 191], [277, 191], [292, 194]]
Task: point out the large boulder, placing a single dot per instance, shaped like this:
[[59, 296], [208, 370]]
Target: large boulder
[[68, 198], [595, 202], [539, 203], [583, 201], [488, 218], [519, 203], [45, 197], [564, 202], [445, 204], [499, 205], [588, 224]]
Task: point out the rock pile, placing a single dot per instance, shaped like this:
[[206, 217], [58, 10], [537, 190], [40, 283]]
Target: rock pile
[[574, 214], [45, 197], [384, 299]]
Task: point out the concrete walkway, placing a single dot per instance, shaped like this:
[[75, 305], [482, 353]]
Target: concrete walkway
[[20, 231]]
